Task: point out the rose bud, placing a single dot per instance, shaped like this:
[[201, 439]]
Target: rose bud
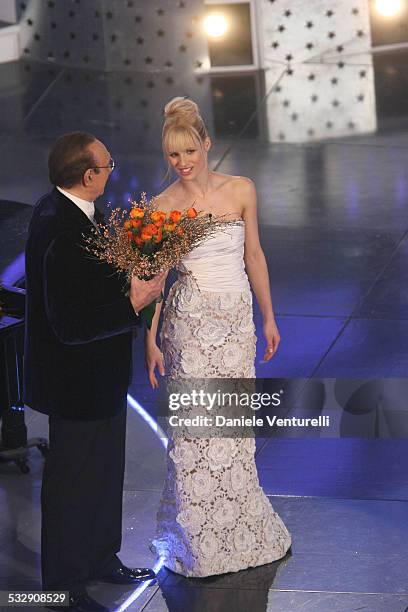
[[191, 213], [137, 213], [175, 216], [151, 229], [158, 217]]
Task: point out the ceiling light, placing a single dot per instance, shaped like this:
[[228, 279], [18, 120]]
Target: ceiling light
[[388, 8], [215, 25]]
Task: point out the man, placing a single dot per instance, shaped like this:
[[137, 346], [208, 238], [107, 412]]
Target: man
[[77, 370]]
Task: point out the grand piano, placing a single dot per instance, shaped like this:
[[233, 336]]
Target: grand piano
[[14, 444]]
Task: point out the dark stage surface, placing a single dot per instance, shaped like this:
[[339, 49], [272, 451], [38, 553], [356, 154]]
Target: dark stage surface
[[334, 223]]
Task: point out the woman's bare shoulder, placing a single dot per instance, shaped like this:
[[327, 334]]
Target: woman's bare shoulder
[[238, 186], [230, 181], [242, 190], [243, 182]]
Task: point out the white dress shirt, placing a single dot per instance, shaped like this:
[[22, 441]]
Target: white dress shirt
[[87, 207]]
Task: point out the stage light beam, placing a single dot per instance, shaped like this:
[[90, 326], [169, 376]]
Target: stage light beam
[[388, 8], [215, 25]]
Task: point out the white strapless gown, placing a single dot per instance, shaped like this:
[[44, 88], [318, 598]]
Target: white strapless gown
[[213, 516]]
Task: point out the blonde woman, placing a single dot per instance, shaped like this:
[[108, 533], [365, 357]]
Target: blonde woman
[[213, 517]]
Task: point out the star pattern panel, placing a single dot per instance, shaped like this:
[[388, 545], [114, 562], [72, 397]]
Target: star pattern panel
[[318, 69], [320, 101], [109, 35], [313, 29], [123, 109]]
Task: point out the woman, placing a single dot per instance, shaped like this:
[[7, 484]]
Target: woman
[[213, 517]]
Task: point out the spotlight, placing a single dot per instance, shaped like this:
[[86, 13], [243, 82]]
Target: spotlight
[[215, 25], [388, 8]]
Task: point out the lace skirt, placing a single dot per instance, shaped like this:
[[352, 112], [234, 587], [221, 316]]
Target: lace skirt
[[213, 516], [208, 335]]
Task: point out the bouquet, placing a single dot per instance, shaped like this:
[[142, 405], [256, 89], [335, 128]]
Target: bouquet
[[145, 241]]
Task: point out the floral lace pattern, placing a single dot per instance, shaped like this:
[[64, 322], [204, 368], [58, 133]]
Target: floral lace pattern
[[207, 335], [213, 516]]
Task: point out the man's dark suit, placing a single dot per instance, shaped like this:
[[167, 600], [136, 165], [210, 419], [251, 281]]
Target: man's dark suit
[[77, 370]]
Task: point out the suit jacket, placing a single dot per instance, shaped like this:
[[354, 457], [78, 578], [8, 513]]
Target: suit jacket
[[78, 340]]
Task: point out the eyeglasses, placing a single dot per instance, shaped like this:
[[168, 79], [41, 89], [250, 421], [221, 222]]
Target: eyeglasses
[[111, 165]]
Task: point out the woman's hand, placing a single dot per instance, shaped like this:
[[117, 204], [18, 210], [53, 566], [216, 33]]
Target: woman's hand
[[154, 359], [272, 338]]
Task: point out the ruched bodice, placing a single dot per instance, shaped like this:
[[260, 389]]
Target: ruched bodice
[[217, 264]]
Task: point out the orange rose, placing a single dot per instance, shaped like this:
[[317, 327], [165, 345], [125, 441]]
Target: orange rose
[[130, 235], [158, 217], [136, 222], [127, 225], [175, 216], [169, 227], [150, 229], [191, 213], [145, 236], [159, 236], [137, 213], [138, 240], [180, 231]]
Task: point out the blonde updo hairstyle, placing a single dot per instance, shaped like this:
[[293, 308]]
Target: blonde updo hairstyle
[[183, 125]]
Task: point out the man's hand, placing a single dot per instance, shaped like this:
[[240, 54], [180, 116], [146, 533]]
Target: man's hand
[[143, 292]]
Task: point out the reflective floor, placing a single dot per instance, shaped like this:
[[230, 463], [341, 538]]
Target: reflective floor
[[344, 501], [333, 218]]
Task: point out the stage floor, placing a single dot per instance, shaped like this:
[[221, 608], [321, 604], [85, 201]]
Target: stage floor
[[345, 503]]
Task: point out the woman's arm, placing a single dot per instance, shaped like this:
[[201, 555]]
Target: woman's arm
[[256, 266], [153, 355]]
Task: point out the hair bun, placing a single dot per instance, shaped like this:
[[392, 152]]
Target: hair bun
[[182, 110], [182, 123]]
